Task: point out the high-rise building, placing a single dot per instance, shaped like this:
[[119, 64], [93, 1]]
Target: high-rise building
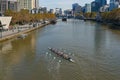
[[76, 8], [114, 4], [87, 8], [36, 3], [28, 4], [100, 3], [94, 6], [103, 2], [3, 6]]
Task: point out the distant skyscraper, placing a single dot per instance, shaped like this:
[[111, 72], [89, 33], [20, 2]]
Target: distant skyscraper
[[87, 7], [114, 4], [76, 8], [36, 3], [103, 2], [51, 11], [94, 6], [100, 3]]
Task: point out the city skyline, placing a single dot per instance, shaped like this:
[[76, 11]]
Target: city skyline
[[64, 4]]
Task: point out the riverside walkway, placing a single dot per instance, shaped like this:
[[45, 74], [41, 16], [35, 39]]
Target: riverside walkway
[[18, 30]]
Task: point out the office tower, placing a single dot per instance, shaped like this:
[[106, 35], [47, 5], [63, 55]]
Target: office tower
[[114, 4], [76, 8], [94, 6], [36, 3], [87, 8], [103, 2], [100, 3], [26, 4]]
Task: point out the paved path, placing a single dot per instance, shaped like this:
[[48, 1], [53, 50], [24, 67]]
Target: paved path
[[17, 29]]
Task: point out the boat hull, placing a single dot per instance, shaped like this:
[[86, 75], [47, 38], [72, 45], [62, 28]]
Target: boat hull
[[61, 54]]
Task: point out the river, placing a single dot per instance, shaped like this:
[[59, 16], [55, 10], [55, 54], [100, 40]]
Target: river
[[94, 47]]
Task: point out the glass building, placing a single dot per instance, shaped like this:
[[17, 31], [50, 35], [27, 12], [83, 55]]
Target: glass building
[[97, 4], [76, 8], [114, 4]]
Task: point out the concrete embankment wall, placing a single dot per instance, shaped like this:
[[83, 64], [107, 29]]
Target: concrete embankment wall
[[19, 33]]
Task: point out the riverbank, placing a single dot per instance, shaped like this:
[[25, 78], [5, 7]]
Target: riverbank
[[6, 35], [114, 24]]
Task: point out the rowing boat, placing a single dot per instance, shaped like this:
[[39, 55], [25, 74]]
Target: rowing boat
[[62, 54]]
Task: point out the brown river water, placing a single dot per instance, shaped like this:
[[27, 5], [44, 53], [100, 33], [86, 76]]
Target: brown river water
[[94, 47]]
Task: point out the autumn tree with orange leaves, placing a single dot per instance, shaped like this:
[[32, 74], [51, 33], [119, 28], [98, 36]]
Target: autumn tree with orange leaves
[[24, 17]]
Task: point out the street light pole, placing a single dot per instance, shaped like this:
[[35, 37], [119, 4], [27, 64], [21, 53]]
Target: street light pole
[[1, 33], [0, 29]]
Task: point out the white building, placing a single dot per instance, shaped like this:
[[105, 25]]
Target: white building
[[105, 8], [5, 21], [28, 4]]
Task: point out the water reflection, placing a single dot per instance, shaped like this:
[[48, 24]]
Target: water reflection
[[14, 53]]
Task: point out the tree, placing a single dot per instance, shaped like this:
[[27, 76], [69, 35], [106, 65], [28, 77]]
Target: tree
[[24, 16]]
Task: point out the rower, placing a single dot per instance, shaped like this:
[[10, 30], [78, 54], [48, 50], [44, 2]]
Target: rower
[[65, 56], [61, 53]]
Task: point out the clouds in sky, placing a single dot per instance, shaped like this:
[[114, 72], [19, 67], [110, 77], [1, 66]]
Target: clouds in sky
[[66, 4]]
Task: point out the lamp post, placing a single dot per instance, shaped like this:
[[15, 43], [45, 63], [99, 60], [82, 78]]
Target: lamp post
[[0, 29]]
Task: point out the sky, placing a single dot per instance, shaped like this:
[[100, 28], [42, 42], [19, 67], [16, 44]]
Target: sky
[[64, 4]]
